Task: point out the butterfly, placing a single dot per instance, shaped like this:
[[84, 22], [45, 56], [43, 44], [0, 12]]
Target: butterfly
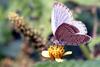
[[65, 28]]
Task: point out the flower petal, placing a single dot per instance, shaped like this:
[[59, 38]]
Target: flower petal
[[45, 53], [59, 60], [68, 53]]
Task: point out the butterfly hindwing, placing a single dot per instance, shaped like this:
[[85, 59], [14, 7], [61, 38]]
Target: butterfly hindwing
[[67, 33], [80, 26], [76, 39]]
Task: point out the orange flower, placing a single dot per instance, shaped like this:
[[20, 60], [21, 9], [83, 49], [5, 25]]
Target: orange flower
[[56, 52]]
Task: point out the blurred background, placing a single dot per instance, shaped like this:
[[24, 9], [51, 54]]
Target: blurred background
[[18, 51]]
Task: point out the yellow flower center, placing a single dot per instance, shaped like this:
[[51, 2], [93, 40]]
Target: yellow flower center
[[56, 51]]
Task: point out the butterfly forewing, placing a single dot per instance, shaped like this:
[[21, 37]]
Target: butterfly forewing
[[65, 30], [60, 13]]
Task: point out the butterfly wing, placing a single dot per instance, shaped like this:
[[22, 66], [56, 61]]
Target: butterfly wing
[[60, 14], [80, 26], [76, 39], [68, 35], [65, 28]]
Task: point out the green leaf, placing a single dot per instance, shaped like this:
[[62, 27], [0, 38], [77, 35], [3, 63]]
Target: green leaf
[[93, 43], [71, 63], [88, 2]]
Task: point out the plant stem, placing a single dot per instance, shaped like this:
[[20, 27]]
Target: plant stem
[[95, 21], [86, 52]]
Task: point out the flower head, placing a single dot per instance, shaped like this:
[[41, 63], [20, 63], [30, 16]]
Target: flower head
[[30, 34], [56, 52]]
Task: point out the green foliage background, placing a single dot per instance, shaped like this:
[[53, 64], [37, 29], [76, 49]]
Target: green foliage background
[[71, 63], [37, 13]]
